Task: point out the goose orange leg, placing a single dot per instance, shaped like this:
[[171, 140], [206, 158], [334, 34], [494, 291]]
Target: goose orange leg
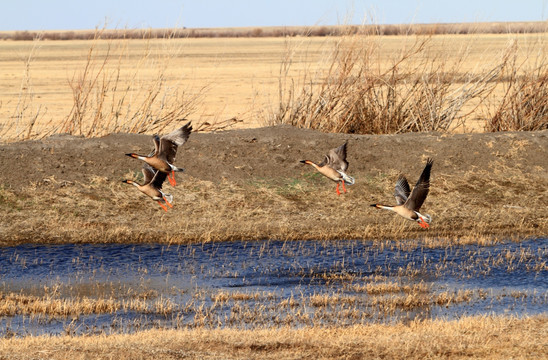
[[338, 192], [344, 188], [423, 224], [168, 203], [171, 178], [162, 205]]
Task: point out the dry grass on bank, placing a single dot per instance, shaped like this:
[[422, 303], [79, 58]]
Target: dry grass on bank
[[249, 184], [476, 207], [107, 94], [419, 89], [469, 337], [524, 105]]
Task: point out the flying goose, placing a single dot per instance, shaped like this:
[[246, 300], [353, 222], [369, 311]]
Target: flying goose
[[409, 203], [152, 186], [165, 149], [334, 166]]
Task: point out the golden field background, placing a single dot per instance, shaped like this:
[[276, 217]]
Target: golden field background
[[215, 78]]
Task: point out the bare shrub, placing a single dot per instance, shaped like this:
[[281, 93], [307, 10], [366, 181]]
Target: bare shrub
[[390, 30], [257, 32], [24, 35], [524, 105], [418, 92], [103, 103], [321, 31]]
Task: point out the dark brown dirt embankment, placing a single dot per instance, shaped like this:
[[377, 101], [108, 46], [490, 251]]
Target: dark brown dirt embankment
[[249, 184]]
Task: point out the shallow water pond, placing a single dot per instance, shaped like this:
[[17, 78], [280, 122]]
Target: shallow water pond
[[122, 288]]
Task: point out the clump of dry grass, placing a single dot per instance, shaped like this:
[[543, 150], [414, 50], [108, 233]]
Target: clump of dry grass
[[223, 296], [524, 105], [422, 90], [104, 104], [109, 94], [375, 288], [468, 337], [53, 304]]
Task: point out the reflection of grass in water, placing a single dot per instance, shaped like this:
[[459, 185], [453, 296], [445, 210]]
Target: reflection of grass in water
[[334, 296]]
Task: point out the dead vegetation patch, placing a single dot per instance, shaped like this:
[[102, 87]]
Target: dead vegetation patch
[[468, 337]]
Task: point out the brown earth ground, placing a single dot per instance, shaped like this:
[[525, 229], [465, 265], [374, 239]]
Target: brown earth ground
[[249, 184]]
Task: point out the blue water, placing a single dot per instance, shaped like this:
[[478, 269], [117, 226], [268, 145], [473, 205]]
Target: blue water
[[512, 277]]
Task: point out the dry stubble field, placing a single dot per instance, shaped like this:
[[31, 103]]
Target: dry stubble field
[[248, 184], [219, 78]]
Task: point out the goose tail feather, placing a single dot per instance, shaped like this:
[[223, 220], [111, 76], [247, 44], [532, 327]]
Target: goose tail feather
[[348, 180]]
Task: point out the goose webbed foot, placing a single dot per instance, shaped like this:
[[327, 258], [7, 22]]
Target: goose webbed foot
[[162, 205], [167, 202], [171, 178]]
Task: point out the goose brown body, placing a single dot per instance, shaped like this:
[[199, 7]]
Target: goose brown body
[[152, 186], [165, 150], [327, 171], [334, 166], [409, 203]]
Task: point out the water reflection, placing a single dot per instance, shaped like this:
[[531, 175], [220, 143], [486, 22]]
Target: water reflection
[[271, 282]]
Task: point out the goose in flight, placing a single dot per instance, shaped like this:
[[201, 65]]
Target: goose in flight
[[165, 149], [152, 186], [409, 203], [334, 166]]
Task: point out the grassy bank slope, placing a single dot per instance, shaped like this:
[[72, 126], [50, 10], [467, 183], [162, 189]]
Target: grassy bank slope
[[249, 184]]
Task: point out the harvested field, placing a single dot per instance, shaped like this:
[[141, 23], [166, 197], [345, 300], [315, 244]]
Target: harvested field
[[44, 82]]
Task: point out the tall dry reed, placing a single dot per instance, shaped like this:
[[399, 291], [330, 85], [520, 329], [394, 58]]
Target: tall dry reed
[[105, 101], [421, 90], [26, 113], [524, 105]]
